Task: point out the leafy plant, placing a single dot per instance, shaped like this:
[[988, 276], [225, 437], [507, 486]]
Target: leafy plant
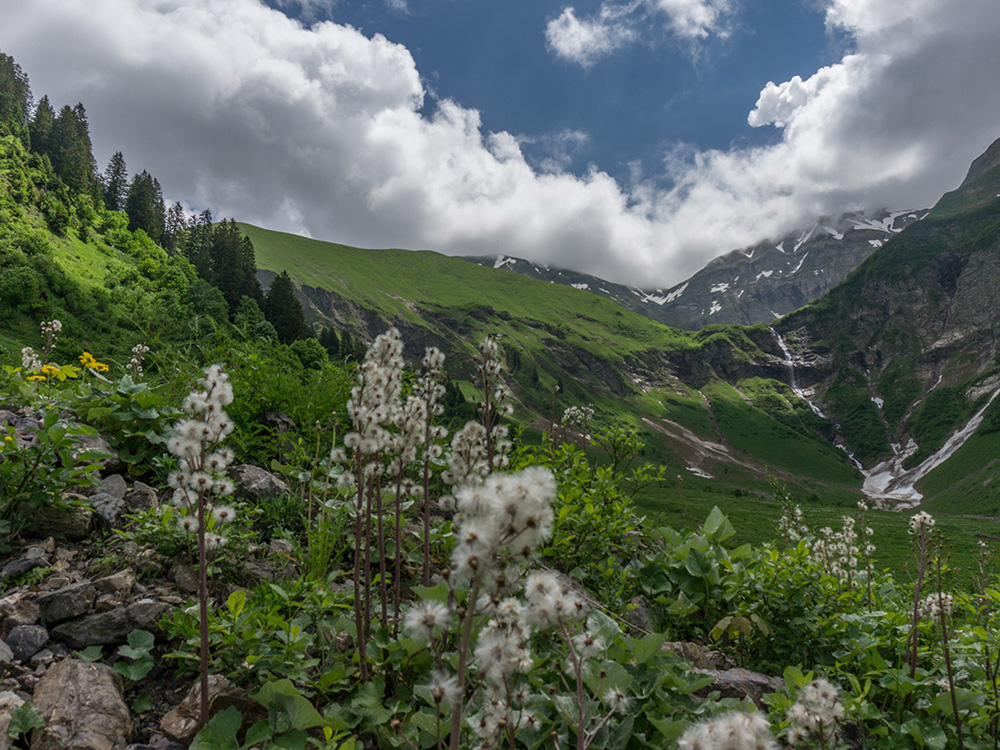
[[34, 475]]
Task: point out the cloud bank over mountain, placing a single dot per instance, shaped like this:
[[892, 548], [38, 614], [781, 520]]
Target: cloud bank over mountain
[[324, 131]]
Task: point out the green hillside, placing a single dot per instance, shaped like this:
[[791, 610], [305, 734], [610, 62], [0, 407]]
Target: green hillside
[[627, 365]]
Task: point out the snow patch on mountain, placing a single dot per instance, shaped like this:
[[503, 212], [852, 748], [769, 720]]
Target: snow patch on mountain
[[834, 233], [580, 286], [796, 269], [765, 274], [715, 307], [503, 260], [723, 287], [803, 239]]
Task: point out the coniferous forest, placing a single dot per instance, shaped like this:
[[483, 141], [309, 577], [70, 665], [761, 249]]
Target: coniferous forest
[[222, 527]]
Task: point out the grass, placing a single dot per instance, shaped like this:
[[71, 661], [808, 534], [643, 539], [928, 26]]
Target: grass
[[426, 288], [967, 483], [765, 439], [755, 518]]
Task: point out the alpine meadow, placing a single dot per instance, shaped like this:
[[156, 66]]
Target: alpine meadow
[[263, 491]]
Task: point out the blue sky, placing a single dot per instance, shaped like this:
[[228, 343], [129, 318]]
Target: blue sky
[[632, 139], [632, 106]]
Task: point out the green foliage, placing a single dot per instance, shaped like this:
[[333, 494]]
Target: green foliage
[[310, 353], [23, 720], [34, 475], [282, 309], [596, 531], [133, 417], [860, 426], [274, 631], [136, 659], [944, 409]]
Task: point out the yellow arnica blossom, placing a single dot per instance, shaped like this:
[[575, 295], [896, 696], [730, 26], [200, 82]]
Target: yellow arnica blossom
[[88, 361], [35, 377], [50, 370]]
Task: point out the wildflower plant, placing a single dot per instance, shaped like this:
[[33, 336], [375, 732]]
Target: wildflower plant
[[815, 719], [135, 364], [199, 481], [735, 730]]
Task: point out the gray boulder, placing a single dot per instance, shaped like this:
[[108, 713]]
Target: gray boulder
[[83, 707], [141, 497], [112, 626], [67, 602], [26, 640], [255, 483]]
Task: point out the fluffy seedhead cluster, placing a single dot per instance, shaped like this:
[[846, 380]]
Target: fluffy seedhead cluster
[[467, 461], [551, 602], [815, 719], [496, 403], [30, 360], [374, 402], [921, 523], [838, 551], [415, 417], [936, 605], [843, 553], [134, 366], [50, 332], [501, 522], [576, 418], [731, 731], [500, 656], [792, 526], [202, 462]]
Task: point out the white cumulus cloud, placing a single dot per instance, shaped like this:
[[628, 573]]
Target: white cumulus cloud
[[585, 40], [327, 132]]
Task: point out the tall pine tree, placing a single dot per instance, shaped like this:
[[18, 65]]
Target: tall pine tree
[[283, 311], [15, 98], [234, 267], [144, 206], [71, 151], [41, 126], [175, 223], [115, 183], [198, 244]]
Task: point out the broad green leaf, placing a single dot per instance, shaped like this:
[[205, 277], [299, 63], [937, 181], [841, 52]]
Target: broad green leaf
[[284, 695], [236, 602], [648, 646], [669, 729], [717, 526], [220, 732]]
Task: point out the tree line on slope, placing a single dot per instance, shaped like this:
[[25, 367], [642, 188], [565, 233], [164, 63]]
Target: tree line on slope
[[220, 253]]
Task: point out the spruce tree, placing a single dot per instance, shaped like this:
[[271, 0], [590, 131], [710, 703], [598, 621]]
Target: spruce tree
[[71, 152], [144, 206], [115, 183], [283, 311], [233, 263], [330, 341], [198, 244], [15, 98], [175, 222], [40, 128]]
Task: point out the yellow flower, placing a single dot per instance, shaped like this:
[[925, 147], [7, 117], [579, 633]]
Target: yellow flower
[[35, 377], [87, 360], [50, 370]]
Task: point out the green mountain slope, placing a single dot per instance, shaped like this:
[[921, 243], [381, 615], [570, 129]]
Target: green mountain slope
[[674, 385], [905, 350]]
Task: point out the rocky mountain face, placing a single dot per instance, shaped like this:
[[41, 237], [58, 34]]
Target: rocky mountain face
[[748, 286], [905, 350]]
